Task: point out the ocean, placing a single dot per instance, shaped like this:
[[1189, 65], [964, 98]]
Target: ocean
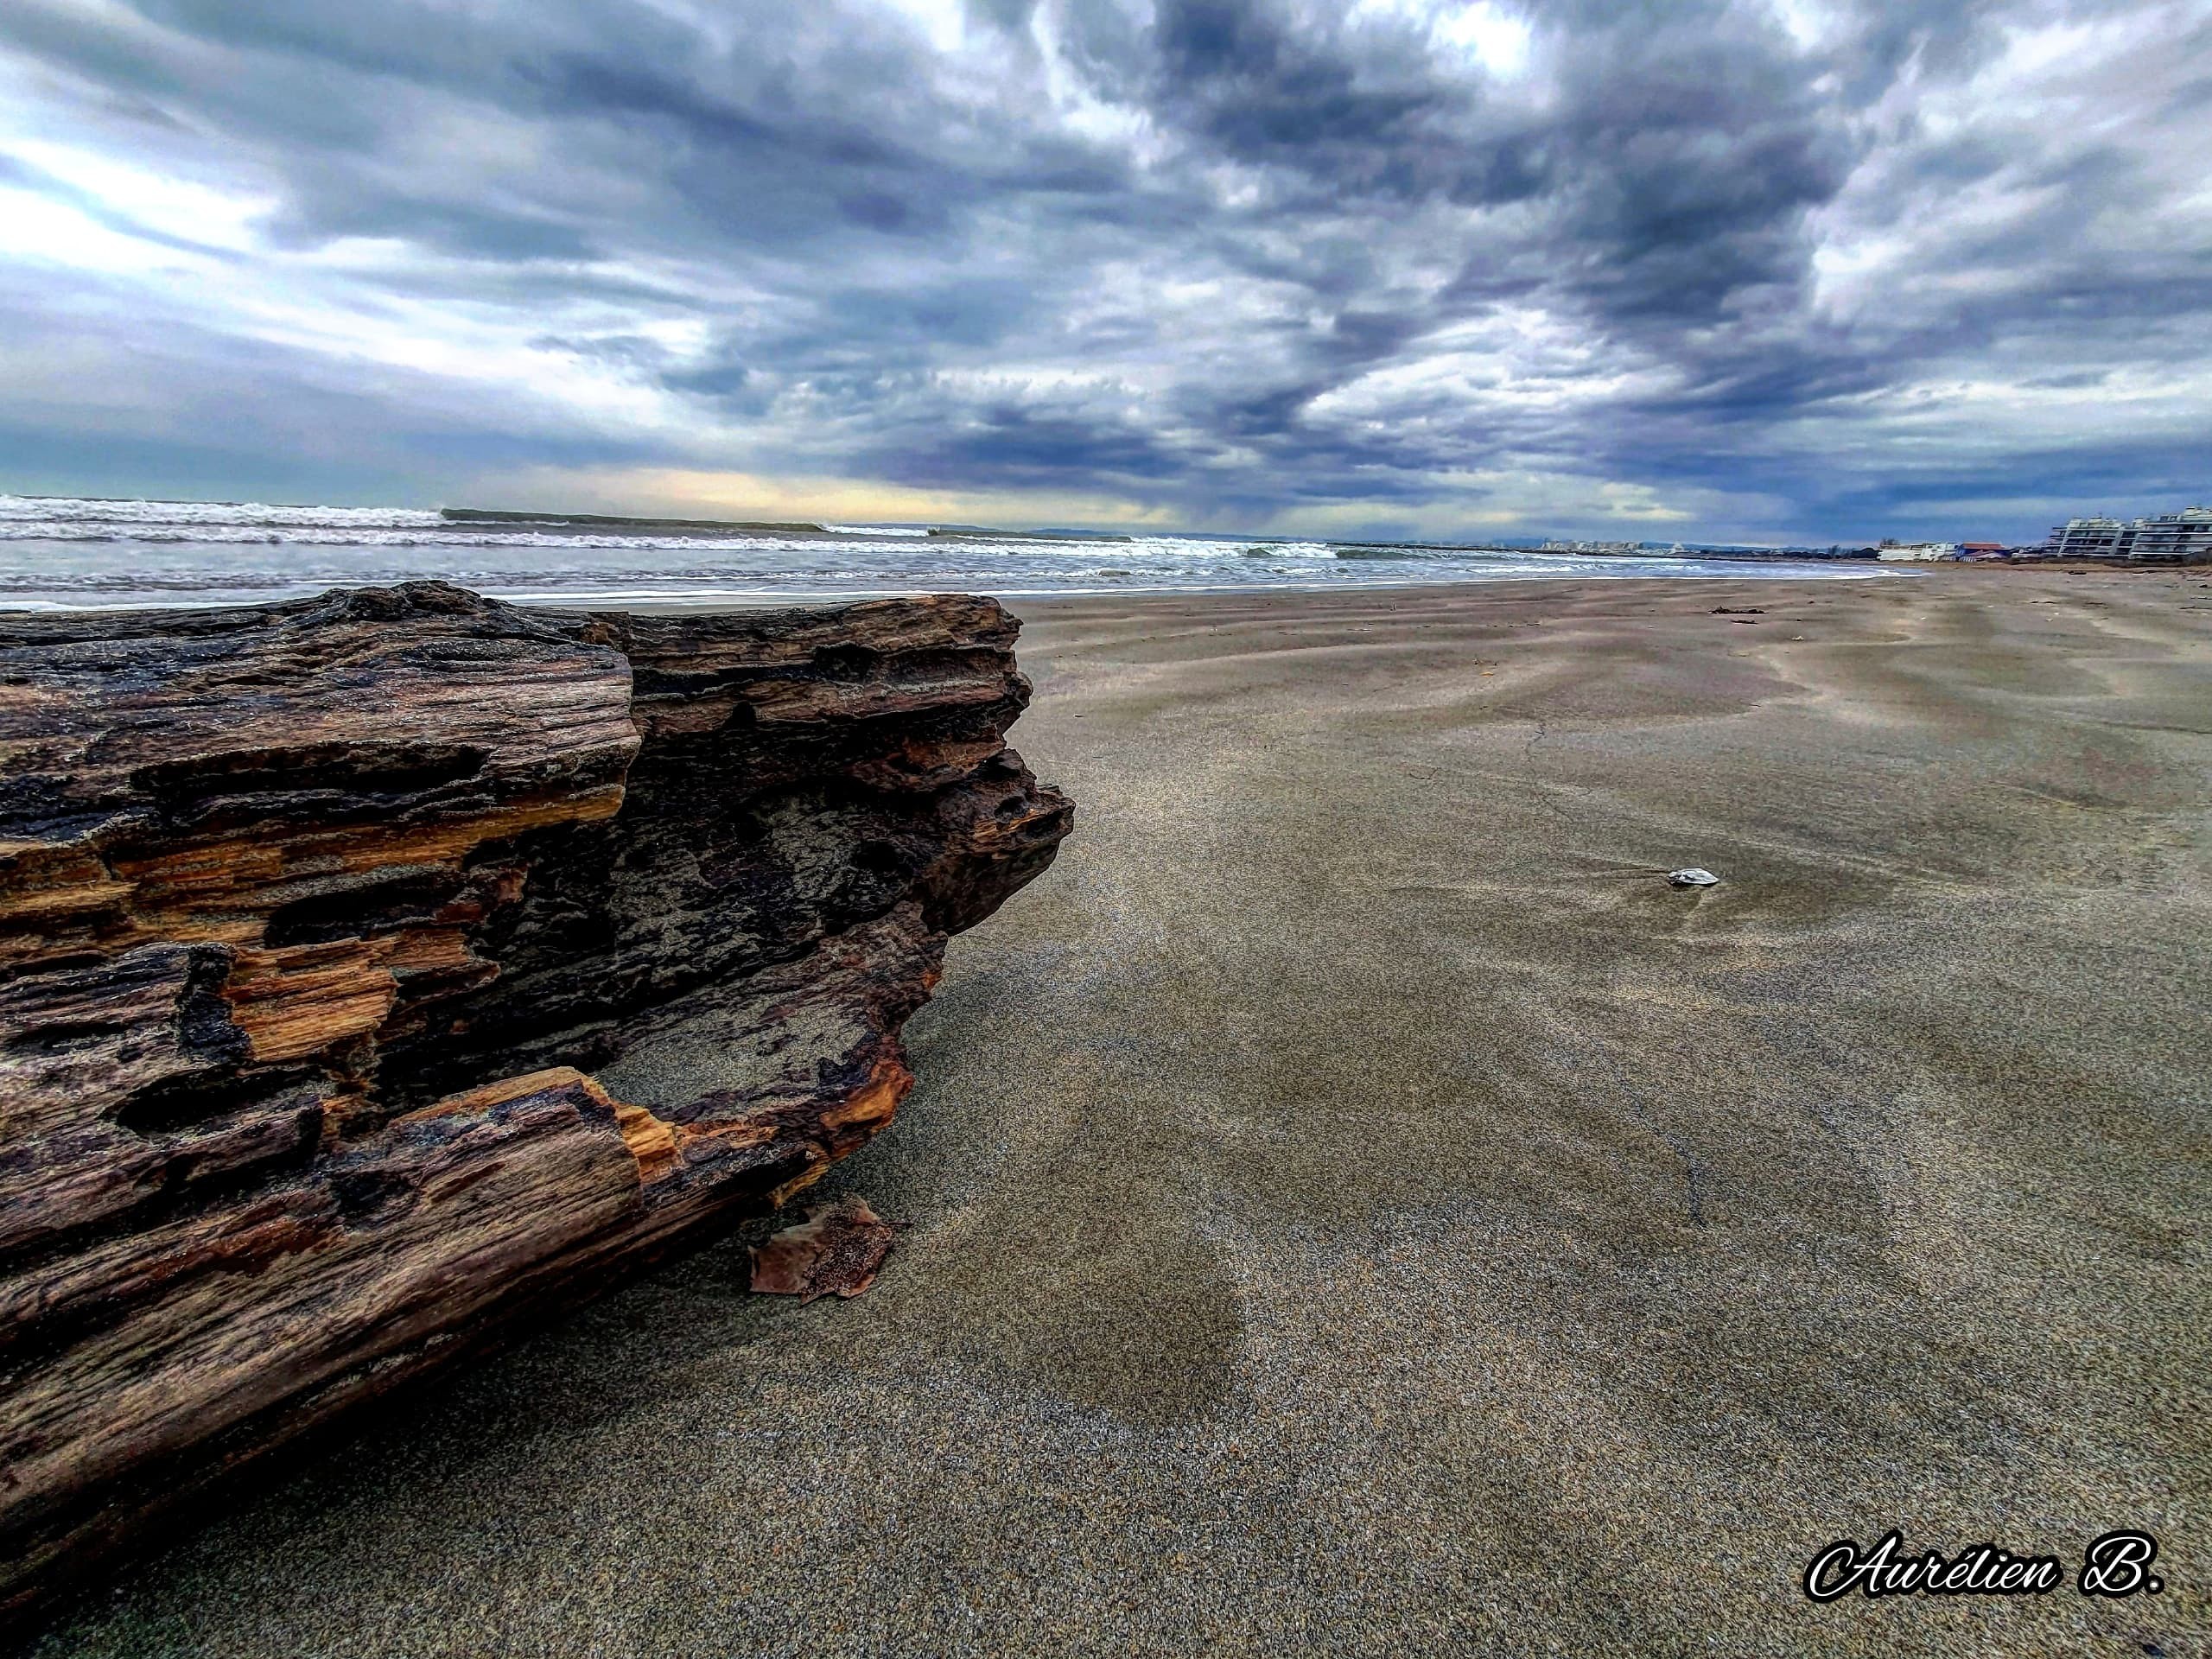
[[75, 554]]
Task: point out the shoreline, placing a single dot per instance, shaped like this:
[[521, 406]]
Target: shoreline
[[645, 600]]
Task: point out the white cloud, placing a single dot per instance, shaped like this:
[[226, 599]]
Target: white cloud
[[1496, 39]]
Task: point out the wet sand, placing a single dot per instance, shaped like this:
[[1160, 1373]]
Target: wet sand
[[1361, 1208]]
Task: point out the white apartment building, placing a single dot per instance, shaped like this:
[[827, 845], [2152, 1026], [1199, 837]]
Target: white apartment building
[[2167, 537]]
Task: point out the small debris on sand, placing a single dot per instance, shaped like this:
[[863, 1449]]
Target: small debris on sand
[[1692, 878], [1740, 610], [839, 1248]]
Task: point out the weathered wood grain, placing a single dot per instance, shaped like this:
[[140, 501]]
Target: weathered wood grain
[[377, 968]]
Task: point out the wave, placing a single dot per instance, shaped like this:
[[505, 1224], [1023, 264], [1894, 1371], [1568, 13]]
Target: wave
[[81, 552], [59, 511]]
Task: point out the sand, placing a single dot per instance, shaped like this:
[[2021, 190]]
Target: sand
[[1359, 1207]]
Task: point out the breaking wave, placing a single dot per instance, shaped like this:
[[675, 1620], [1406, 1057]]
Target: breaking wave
[[70, 553]]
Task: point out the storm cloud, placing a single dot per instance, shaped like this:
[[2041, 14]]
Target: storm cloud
[[1778, 270]]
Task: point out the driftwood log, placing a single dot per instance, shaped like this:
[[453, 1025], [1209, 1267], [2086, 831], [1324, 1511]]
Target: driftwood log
[[377, 968]]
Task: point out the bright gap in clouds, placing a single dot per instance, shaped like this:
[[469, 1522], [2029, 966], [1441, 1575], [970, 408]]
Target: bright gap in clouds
[[1492, 37], [943, 23]]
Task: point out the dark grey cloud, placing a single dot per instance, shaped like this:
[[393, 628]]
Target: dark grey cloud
[[1792, 268]]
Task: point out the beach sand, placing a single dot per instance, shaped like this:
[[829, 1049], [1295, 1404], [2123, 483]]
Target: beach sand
[[1360, 1207]]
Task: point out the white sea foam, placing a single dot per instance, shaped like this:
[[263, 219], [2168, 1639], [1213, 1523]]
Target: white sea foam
[[59, 511]]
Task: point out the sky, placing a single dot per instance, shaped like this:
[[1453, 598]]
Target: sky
[[1770, 269]]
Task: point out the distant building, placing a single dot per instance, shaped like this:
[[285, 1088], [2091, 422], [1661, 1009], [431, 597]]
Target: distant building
[[1911, 552], [2183, 537], [1984, 550], [2088, 538]]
